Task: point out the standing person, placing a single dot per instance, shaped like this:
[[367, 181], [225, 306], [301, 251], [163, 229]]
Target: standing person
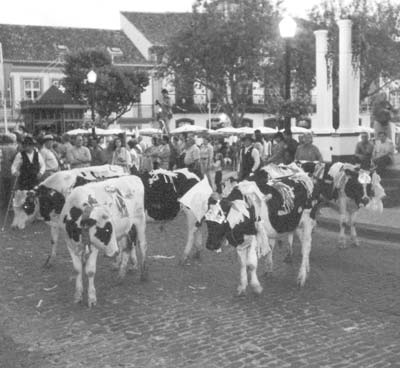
[[363, 152], [121, 156], [259, 142], [308, 151], [278, 150], [96, 151], [174, 153], [28, 165], [206, 158], [218, 166], [290, 146], [164, 153], [166, 109], [64, 147], [79, 155], [135, 156], [382, 155], [8, 153], [192, 156], [49, 156], [249, 158]]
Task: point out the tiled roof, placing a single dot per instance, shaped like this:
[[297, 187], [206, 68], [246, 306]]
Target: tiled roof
[[54, 96], [158, 27], [39, 43]]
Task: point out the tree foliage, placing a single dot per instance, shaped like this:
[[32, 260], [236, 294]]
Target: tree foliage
[[116, 89], [375, 43]]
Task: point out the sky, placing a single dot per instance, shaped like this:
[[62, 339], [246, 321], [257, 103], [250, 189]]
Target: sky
[[100, 13]]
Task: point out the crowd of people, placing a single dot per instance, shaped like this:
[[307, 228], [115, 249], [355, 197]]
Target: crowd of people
[[26, 161]]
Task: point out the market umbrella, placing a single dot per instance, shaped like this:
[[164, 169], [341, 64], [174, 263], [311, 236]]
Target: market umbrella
[[298, 130], [150, 131], [77, 131], [246, 130], [267, 130], [188, 128], [228, 131]]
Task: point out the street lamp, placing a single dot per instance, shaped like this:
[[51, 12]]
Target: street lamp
[[287, 29], [92, 78]]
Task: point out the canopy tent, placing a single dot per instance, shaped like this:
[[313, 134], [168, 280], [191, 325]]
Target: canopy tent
[[150, 131], [188, 128], [78, 131]]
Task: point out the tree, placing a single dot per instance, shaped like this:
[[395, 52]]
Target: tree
[[222, 50], [376, 35], [116, 89]]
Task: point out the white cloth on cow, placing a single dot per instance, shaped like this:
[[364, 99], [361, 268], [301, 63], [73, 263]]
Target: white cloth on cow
[[196, 198], [187, 173]]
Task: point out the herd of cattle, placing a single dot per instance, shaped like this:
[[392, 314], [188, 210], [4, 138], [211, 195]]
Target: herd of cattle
[[103, 209]]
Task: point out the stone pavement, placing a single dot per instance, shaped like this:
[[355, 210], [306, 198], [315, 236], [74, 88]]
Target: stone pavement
[[188, 317]]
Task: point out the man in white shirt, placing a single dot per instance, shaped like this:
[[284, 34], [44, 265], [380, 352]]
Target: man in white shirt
[[249, 158], [28, 165], [79, 155], [382, 155], [49, 156]]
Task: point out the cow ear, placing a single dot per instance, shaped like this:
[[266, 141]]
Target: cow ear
[[89, 222]]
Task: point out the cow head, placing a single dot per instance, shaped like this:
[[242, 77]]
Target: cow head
[[25, 206], [229, 218], [51, 202], [98, 229]]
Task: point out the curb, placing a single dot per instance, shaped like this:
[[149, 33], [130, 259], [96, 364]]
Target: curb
[[375, 232]]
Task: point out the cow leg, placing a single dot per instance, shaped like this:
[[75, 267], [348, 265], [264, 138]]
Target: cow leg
[[124, 257], [141, 238], [198, 242], [268, 258], [54, 231], [289, 254], [90, 270], [242, 253], [305, 235], [191, 229], [342, 234], [353, 232], [77, 263], [252, 262]]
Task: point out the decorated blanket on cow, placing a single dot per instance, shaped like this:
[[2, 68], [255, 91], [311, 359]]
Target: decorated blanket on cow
[[287, 197], [163, 188]]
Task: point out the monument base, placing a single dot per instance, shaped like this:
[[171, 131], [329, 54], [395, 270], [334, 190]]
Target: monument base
[[337, 146]]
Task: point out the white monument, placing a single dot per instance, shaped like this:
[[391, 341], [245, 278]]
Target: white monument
[[339, 144]]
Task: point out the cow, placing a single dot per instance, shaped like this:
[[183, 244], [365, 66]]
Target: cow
[[105, 216], [164, 191], [347, 189], [258, 212], [48, 199]]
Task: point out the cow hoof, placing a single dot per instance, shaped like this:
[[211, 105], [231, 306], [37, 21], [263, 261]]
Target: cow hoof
[[197, 255], [48, 263], [257, 289], [183, 261], [241, 292], [288, 259], [355, 243], [92, 302], [78, 298], [300, 282]]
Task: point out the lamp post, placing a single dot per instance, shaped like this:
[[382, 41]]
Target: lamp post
[[287, 29], [92, 78]]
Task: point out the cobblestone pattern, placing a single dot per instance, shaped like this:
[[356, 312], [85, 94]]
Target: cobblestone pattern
[[346, 316]]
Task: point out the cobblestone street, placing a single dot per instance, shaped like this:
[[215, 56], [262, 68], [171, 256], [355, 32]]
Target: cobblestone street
[[187, 316]]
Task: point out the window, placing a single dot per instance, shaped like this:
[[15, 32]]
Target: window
[[31, 89]]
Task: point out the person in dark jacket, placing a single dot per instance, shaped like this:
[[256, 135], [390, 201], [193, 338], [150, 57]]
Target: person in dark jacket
[[249, 158], [28, 165]]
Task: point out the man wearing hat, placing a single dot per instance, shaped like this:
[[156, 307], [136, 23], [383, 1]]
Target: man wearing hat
[[28, 165], [49, 156], [249, 157]]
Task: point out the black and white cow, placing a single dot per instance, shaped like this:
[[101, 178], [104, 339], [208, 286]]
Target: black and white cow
[[257, 213], [49, 197], [105, 216], [347, 189], [164, 191]]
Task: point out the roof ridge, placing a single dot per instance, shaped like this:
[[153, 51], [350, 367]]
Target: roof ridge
[[153, 13], [59, 27]]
